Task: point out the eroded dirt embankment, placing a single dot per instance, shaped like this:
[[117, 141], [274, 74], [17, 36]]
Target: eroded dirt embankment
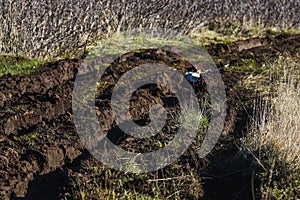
[[38, 136]]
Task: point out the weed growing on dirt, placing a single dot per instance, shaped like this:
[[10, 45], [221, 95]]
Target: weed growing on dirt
[[274, 137], [17, 65], [30, 138]]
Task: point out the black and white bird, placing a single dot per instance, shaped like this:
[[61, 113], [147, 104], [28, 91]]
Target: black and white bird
[[193, 77]]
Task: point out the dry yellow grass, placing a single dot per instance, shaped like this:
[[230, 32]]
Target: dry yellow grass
[[275, 135]]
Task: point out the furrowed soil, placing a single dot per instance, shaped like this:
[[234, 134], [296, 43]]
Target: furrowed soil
[[41, 156]]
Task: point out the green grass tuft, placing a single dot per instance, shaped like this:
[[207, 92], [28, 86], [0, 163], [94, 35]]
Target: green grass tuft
[[18, 65]]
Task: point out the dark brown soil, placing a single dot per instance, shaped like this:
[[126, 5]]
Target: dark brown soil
[[41, 153]]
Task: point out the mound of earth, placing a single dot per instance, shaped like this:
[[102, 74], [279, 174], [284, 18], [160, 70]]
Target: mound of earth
[[41, 151]]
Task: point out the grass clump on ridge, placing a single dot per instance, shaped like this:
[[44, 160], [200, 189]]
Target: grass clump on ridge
[[17, 65]]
